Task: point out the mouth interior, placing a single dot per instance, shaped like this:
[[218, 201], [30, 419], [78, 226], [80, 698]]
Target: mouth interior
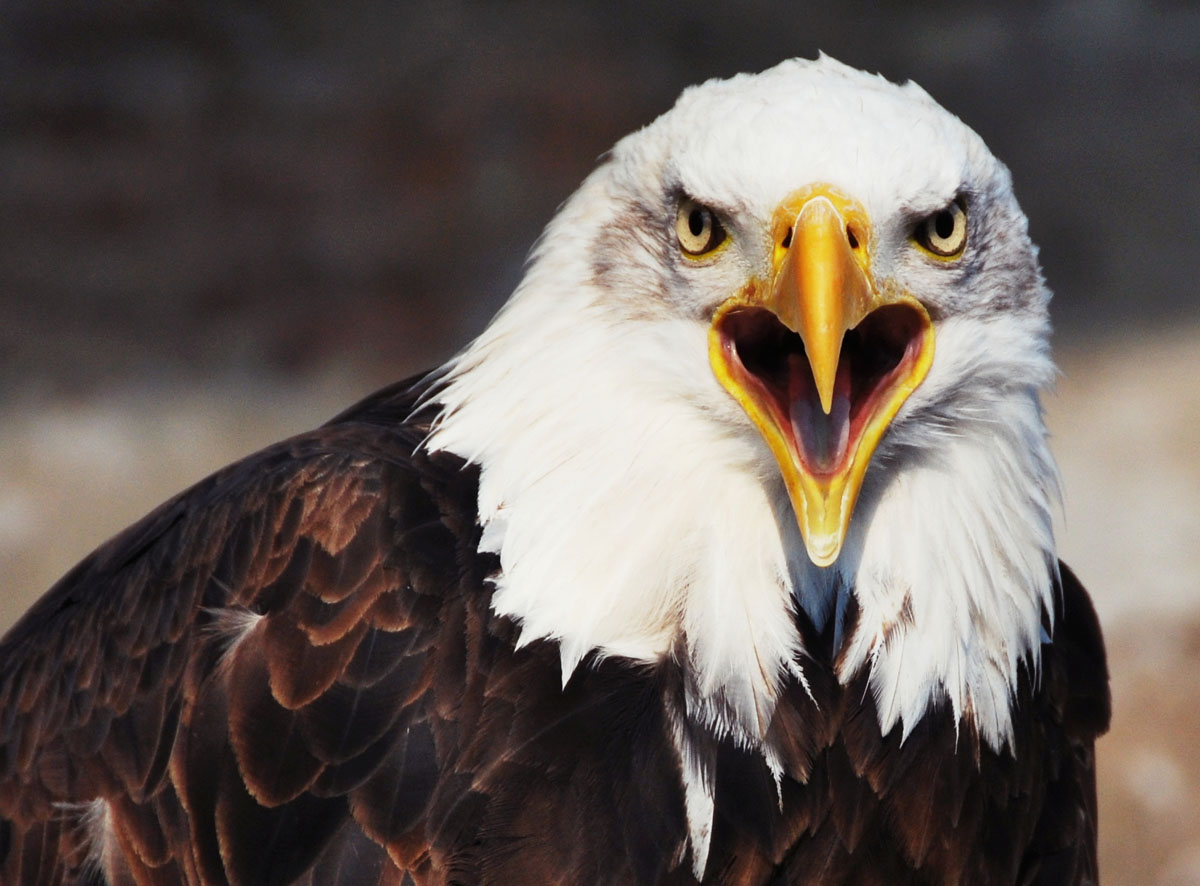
[[772, 362]]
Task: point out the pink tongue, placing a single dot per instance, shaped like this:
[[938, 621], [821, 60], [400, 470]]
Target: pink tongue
[[822, 439]]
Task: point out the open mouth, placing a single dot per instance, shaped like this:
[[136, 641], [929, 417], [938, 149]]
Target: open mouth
[[822, 357], [770, 361]]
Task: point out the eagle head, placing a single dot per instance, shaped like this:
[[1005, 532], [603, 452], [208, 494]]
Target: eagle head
[[779, 357]]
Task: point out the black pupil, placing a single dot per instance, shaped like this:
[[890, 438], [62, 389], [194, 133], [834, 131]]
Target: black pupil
[[943, 224], [696, 222]]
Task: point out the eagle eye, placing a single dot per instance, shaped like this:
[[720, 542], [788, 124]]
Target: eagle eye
[[945, 232], [698, 229]]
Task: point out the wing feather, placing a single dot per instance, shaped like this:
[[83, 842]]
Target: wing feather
[[225, 681]]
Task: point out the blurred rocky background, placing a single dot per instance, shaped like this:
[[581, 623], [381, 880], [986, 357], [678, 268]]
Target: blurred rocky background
[[221, 222]]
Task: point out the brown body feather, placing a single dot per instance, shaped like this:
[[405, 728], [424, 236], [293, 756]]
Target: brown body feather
[[291, 674]]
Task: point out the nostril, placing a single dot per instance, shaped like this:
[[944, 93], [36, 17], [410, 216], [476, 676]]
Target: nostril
[[787, 239], [851, 237]]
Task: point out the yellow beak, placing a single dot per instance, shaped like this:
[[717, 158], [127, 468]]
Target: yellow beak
[[821, 358]]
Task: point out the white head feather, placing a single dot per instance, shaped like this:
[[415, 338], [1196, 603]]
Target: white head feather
[[636, 510]]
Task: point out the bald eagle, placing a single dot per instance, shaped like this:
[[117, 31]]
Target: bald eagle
[[723, 555]]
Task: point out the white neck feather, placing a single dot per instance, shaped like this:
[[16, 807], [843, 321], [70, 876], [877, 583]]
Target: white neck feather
[[952, 566], [951, 554], [628, 523]]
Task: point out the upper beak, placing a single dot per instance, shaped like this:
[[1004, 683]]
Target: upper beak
[[821, 358]]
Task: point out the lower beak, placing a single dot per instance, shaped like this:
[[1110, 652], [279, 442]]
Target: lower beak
[[821, 358]]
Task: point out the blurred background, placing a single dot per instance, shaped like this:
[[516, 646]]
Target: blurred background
[[222, 222]]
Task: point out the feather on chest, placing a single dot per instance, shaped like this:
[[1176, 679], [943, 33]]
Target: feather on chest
[[588, 779]]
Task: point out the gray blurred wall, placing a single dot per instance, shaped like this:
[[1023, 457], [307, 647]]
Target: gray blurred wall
[[276, 188]]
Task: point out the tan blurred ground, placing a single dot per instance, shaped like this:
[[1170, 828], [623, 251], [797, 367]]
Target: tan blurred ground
[[1126, 419], [1127, 425]]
